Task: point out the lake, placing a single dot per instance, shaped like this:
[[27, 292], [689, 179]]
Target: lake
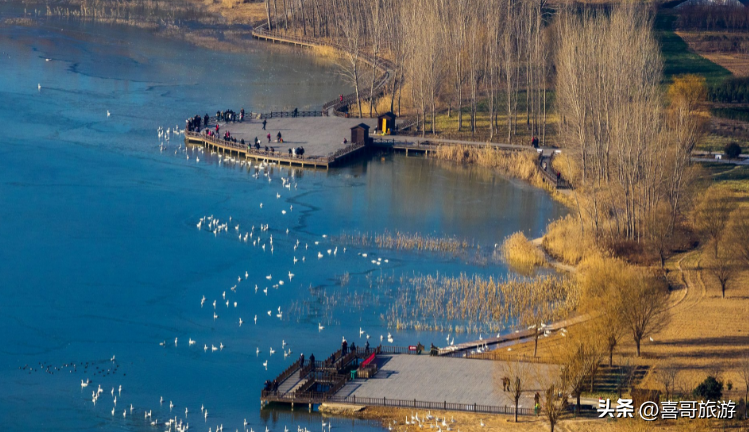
[[101, 255]]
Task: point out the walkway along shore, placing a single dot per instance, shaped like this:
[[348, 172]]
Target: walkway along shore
[[335, 106]]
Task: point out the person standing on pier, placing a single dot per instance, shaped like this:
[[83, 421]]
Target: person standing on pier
[[264, 123], [241, 114], [268, 136], [205, 120], [312, 361], [301, 360], [278, 136], [344, 347]]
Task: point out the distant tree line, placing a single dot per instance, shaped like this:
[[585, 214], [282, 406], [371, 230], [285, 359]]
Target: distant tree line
[[445, 54], [712, 16], [731, 90]]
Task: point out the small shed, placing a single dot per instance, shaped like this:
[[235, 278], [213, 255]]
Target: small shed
[[360, 133], [386, 122]]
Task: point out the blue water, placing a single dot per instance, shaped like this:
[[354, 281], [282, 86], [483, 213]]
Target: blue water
[[100, 254]]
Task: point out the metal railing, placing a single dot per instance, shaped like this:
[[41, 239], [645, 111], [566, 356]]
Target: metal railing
[[322, 397], [277, 114]]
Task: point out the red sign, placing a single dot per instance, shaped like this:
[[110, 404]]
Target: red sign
[[412, 347]]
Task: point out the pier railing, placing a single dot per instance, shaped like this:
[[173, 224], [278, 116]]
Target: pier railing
[[326, 397], [277, 114], [288, 371], [247, 148]]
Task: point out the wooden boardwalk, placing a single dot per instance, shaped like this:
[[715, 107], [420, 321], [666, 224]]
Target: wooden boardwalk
[[483, 348], [320, 136], [280, 158], [336, 107]]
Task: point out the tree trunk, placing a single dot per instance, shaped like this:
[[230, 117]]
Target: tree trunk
[[275, 11], [267, 14], [637, 343], [304, 20], [285, 16]]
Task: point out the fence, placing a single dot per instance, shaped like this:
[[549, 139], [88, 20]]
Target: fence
[[322, 397], [277, 114], [246, 148]]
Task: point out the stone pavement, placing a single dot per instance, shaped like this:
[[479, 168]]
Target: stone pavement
[[440, 379]]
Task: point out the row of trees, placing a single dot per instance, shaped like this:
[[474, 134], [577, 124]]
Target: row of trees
[[725, 228], [730, 90], [446, 55], [627, 150], [713, 15]]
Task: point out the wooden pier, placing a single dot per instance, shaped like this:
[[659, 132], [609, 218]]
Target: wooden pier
[[244, 151], [320, 135]]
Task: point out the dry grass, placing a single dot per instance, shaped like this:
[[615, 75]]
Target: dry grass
[[520, 165], [407, 241], [521, 253], [707, 334], [468, 422], [564, 240], [474, 304], [235, 11]]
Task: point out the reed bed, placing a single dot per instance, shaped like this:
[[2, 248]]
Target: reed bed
[[150, 14], [565, 241], [473, 304], [28, 22], [519, 252], [408, 242], [517, 164]]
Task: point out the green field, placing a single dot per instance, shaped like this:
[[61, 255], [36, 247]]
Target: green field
[[677, 58]]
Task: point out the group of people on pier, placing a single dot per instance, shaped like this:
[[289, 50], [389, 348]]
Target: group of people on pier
[[198, 124], [230, 115], [271, 385], [193, 124]]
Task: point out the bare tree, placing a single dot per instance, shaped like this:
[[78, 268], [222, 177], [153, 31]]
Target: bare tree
[[581, 359], [515, 380], [711, 214], [667, 375], [722, 262], [350, 24], [738, 231], [554, 401], [744, 374], [643, 308]]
